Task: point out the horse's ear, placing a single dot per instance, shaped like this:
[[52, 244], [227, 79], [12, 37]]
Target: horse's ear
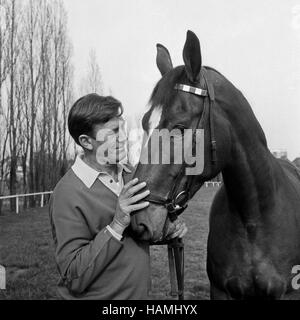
[[163, 59], [192, 56]]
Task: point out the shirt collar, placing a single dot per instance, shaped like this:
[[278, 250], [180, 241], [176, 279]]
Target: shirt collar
[[88, 175], [84, 172], [124, 167]]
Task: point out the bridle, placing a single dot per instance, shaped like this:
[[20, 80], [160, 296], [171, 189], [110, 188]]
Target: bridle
[[176, 202]]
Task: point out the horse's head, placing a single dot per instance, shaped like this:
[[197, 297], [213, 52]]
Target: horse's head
[[183, 104]]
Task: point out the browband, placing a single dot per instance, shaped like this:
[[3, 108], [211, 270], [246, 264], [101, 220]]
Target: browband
[[190, 89]]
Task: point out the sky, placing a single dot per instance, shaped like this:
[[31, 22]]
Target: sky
[[253, 43]]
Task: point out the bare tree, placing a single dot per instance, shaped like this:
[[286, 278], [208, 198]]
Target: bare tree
[[33, 62], [92, 81], [67, 98], [4, 27], [61, 89], [36, 91], [45, 51], [22, 98], [12, 58], [4, 24]]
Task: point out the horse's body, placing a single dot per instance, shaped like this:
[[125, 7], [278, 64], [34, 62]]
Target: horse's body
[[254, 236]]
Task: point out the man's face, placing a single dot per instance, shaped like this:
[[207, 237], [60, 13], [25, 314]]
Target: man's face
[[110, 144]]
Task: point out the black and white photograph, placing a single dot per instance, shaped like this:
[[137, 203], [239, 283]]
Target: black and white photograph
[[149, 150]]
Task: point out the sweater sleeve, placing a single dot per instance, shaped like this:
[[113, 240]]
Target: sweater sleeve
[[80, 257]]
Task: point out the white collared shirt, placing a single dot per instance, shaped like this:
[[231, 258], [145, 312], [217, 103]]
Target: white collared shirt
[[88, 176]]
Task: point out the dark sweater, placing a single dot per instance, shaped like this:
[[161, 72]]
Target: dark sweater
[[91, 262]]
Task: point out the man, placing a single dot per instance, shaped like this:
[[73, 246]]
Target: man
[[90, 210]]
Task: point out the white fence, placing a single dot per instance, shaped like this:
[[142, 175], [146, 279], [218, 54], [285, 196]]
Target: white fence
[[18, 196], [42, 194], [212, 183]]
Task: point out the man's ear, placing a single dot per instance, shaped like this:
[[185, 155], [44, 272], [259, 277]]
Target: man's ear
[[192, 57], [85, 142], [163, 59]]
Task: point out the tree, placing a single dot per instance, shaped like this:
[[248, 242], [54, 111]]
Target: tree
[[12, 60], [92, 81], [45, 26], [33, 64], [4, 27], [61, 90], [36, 91]]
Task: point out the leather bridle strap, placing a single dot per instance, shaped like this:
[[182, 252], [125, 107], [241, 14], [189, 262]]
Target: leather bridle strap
[[200, 121], [211, 95], [174, 209], [175, 246]]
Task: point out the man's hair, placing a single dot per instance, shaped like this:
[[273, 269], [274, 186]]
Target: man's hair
[[91, 110]]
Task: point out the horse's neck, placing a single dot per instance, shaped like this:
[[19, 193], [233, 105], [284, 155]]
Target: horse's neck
[[250, 180], [250, 184], [250, 176]]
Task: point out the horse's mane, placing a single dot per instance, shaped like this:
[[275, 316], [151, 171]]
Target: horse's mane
[[163, 93]]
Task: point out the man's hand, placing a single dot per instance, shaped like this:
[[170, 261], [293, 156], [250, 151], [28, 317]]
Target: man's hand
[[127, 204], [178, 229]]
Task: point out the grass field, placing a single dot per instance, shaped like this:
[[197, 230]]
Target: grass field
[[26, 251]]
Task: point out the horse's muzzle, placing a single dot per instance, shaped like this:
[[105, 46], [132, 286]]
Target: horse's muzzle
[[141, 231]]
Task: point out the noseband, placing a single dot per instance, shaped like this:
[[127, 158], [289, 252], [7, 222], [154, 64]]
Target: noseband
[[176, 202]]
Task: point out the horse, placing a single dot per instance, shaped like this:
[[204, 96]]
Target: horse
[[254, 223]]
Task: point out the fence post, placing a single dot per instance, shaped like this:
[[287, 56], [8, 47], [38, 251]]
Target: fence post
[[17, 205], [42, 200]]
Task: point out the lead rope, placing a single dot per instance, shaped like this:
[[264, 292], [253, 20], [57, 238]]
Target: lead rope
[[176, 265], [175, 249]]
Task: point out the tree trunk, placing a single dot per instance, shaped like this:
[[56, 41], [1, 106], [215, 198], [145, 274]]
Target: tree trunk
[[13, 161]]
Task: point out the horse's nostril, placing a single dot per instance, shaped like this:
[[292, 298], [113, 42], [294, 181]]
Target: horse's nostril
[[140, 229], [143, 232]]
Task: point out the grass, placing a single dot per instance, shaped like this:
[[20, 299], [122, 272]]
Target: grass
[[26, 251]]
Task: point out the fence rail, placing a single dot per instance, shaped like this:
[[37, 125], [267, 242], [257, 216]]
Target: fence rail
[[212, 183], [17, 196], [42, 194]]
